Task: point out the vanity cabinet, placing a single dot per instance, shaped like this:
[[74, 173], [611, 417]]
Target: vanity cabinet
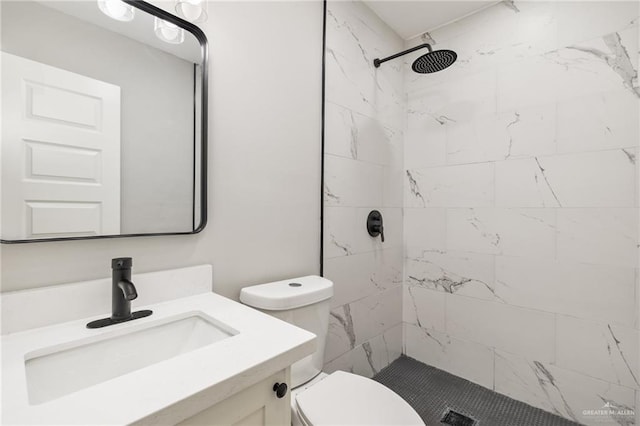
[[255, 405]]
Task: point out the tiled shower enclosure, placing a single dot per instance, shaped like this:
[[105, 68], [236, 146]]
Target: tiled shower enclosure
[[509, 188]]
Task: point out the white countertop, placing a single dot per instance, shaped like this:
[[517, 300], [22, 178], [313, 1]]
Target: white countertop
[[166, 392]]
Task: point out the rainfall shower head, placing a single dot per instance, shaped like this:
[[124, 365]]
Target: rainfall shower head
[[435, 60]]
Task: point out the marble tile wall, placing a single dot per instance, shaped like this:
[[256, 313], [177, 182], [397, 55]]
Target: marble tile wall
[[521, 207], [364, 122]]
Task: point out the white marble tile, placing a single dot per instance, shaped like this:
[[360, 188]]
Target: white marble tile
[[559, 75], [359, 88], [597, 292], [522, 183], [382, 350], [387, 272], [483, 139], [577, 23], [340, 336], [598, 65], [637, 179], [376, 314], [354, 361], [370, 357], [425, 228], [518, 330], [351, 277], [531, 131], [456, 101], [364, 274], [345, 340], [352, 183], [340, 232], [463, 358], [353, 135], [637, 299], [531, 26], [591, 179], [341, 131], [527, 83], [365, 116], [514, 232], [347, 84], [480, 38], [422, 115], [524, 132], [630, 40], [425, 142], [392, 182], [562, 392], [355, 31], [423, 307], [596, 122], [478, 53], [468, 185], [599, 236], [467, 274], [393, 342], [612, 349]]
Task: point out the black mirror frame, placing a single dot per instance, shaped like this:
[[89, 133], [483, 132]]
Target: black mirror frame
[[202, 39]]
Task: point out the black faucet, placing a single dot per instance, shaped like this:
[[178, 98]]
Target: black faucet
[[122, 293], [122, 289]]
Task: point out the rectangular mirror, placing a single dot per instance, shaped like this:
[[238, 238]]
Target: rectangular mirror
[[103, 121]]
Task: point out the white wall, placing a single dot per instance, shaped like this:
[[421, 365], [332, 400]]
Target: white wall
[[363, 172], [521, 208], [264, 163]]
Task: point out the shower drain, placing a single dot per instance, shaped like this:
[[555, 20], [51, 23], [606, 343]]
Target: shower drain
[[454, 418]]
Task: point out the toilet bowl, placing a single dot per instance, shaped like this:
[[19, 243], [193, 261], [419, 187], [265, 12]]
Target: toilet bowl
[[317, 398]]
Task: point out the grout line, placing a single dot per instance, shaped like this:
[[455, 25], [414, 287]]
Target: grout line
[[555, 339], [493, 351]]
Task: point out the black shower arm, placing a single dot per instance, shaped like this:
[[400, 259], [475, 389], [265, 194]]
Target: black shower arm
[[377, 62]]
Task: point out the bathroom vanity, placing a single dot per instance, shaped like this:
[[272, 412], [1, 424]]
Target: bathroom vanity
[[200, 358]]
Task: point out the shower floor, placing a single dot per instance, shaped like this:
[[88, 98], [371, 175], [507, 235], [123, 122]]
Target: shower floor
[[431, 392]]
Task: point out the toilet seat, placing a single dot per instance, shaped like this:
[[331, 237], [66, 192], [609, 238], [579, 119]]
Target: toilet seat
[[348, 399]]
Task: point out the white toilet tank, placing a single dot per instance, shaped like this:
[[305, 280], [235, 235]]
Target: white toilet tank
[[304, 302]]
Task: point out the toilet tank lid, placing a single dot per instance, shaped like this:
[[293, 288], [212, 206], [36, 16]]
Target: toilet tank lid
[[287, 294]]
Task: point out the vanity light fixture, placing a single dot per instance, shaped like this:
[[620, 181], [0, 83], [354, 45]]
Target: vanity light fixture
[[168, 32], [192, 10], [117, 9]]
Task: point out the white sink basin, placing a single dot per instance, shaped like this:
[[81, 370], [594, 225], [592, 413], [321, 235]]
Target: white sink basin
[[59, 370]]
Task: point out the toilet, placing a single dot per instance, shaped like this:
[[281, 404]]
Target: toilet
[[317, 398]]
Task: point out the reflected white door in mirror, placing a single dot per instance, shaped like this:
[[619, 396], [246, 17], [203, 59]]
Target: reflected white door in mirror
[[60, 152]]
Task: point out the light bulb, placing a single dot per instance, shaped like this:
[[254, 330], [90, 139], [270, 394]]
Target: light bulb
[[117, 9], [192, 10], [168, 32]]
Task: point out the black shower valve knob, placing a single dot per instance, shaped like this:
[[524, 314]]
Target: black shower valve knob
[[374, 224]]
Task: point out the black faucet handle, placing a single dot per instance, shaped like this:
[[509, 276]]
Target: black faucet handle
[[121, 263]]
